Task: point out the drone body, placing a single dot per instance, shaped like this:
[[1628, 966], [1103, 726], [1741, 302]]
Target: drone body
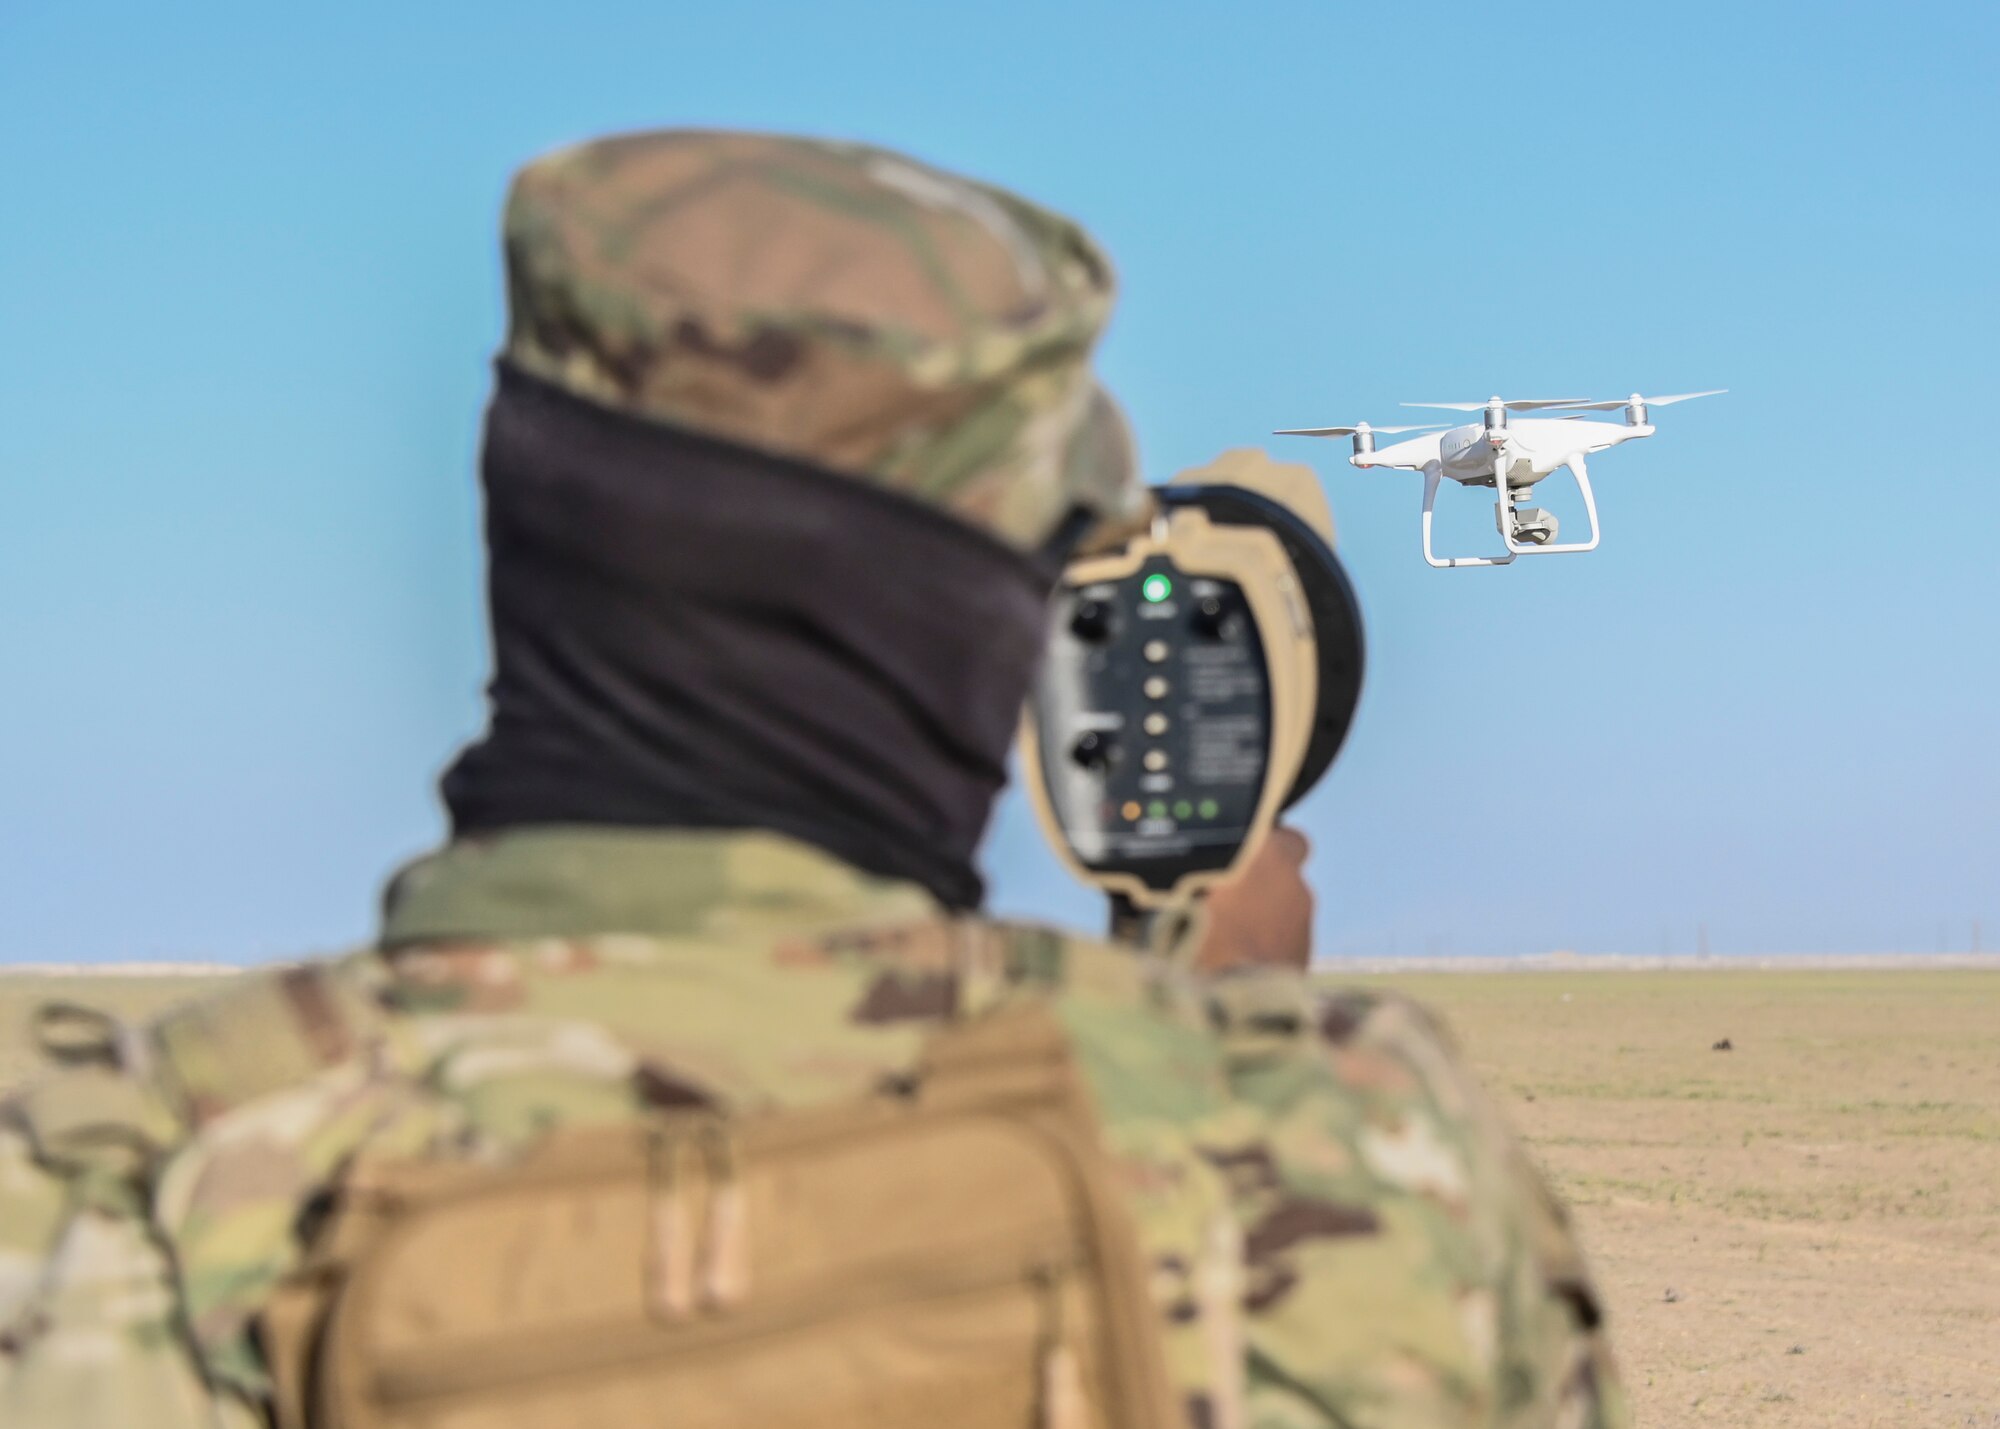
[[1509, 456]]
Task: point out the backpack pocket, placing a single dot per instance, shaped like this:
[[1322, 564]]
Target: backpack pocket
[[948, 1257]]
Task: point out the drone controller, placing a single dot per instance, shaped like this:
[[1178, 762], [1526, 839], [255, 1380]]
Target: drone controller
[[1199, 680]]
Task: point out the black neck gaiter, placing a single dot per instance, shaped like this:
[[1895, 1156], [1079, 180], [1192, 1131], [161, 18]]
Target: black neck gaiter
[[690, 634]]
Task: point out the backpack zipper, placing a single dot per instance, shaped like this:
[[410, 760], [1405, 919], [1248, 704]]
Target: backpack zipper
[[1060, 1402], [725, 1256], [670, 1230]]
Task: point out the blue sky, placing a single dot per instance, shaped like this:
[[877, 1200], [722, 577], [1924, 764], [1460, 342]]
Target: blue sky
[[249, 285]]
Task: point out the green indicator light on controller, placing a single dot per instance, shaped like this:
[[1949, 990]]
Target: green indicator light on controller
[[1183, 810], [1156, 588], [1209, 808], [1156, 810]]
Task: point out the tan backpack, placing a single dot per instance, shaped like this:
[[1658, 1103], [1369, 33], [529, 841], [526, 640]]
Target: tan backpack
[[950, 1253]]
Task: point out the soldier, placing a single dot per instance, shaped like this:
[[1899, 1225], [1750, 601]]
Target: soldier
[[789, 442]]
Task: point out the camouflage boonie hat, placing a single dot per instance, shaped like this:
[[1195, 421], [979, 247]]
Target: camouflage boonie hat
[[832, 302]]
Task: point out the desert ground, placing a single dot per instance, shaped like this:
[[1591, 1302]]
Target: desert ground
[[1802, 1230]]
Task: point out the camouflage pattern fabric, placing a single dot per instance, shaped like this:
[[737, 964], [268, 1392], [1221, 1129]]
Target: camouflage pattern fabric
[[1343, 1231], [833, 302]]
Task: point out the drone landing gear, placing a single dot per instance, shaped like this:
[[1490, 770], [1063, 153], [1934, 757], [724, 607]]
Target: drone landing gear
[[1433, 476], [1526, 531]]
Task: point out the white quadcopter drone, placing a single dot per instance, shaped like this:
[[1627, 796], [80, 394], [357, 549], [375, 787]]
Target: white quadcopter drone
[[1508, 456]]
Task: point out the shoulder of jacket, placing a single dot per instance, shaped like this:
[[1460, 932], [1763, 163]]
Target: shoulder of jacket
[[34, 1199], [1276, 1010], [116, 1096], [1077, 965], [265, 1031], [979, 959], [95, 1108]]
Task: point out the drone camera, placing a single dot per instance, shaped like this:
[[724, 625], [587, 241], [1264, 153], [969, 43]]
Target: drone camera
[[1535, 526]]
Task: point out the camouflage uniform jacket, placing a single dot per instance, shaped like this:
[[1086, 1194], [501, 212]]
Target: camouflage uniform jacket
[[1343, 1232]]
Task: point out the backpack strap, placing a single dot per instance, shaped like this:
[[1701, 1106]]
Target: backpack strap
[[1023, 1052]]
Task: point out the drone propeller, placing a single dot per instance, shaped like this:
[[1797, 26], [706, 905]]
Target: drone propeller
[[1518, 404], [1350, 431], [1363, 434], [1635, 398]]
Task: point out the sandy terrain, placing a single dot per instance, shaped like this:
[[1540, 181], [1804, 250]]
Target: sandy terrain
[[1802, 1230]]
